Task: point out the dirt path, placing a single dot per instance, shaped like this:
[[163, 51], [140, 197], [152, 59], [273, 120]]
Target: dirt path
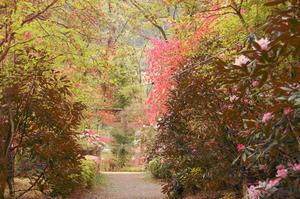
[[125, 185]]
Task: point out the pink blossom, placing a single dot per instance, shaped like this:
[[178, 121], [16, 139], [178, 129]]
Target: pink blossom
[[282, 173], [267, 117], [38, 42], [255, 83], [2, 120], [233, 98], [287, 110], [194, 152], [241, 60], [273, 183], [27, 35], [296, 167], [246, 101], [234, 90], [253, 193], [240, 147], [280, 166], [263, 43], [228, 107], [90, 131]]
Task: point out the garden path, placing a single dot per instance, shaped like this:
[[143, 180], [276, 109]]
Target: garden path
[[126, 185]]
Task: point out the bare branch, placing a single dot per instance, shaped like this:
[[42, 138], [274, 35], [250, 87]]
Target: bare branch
[[33, 184], [33, 16], [150, 18], [237, 8], [8, 39]]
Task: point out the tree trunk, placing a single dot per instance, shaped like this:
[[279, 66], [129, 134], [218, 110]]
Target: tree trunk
[[11, 173], [7, 131], [3, 175]]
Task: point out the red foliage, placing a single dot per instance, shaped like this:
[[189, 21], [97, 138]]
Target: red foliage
[[107, 117], [167, 59]]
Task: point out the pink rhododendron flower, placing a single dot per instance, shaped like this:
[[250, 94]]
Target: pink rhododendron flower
[[287, 110], [194, 152], [234, 90], [267, 117], [241, 60], [273, 183], [233, 98], [255, 83], [263, 43], [280, 166], [253, 193], [282, 173], [296, 167], [228, 107], [240, 147], [246, 101]]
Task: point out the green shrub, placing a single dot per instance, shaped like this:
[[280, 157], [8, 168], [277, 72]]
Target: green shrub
[[65, 182], [88, 173], [99, 179], [158, 168]]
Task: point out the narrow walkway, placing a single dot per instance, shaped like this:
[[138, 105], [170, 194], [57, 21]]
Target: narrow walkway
[[127, 185]]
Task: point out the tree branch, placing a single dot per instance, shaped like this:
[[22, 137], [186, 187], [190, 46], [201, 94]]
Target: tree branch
[[12, 130], [33, 16], [9, 38], [237, 8], [33, 184], [151, 19]]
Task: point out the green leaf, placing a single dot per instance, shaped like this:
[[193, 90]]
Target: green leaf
[[237, 159]]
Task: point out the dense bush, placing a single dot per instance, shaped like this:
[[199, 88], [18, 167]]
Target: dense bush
[[43, 118], [84, 178], [234, 124], [194, 142], [158, 168], [88, 173]]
